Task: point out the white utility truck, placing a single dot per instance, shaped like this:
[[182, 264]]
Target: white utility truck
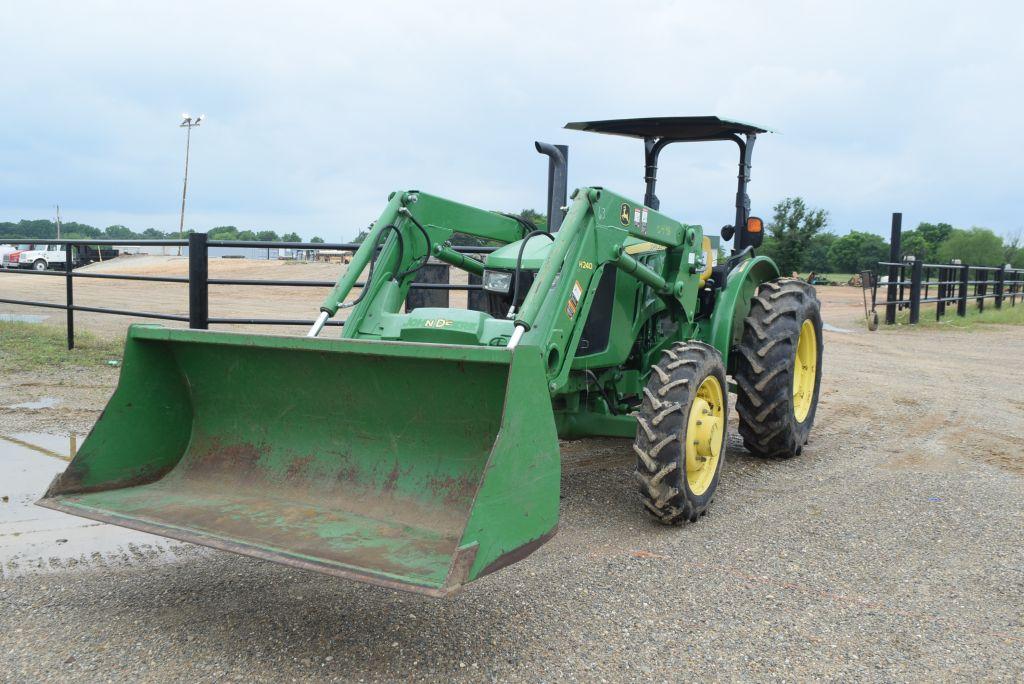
[[38, 257]]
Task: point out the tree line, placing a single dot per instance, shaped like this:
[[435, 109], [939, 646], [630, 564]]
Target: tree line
[[44, 229], [798, 239]]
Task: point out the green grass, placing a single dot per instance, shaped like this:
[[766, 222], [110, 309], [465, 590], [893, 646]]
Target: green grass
[[841, 278], [32, 346], [1008, 315]]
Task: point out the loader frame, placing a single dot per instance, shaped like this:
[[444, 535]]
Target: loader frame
[[667, 261], [678, 294]]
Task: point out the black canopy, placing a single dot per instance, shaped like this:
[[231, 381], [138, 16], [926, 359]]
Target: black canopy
[[660, 131], [670, 127]]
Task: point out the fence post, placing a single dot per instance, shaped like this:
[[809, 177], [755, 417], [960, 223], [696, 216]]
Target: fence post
[[940, 306], [894, 258], [981, 288], [1000, 280], [69, 299], [961, 305], [198, 285], [915, 290]]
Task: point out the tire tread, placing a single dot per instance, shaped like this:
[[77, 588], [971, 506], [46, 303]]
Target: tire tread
[[661, 422], [764, 368]]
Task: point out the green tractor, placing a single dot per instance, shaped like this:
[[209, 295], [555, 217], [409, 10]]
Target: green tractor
[[420, 450]]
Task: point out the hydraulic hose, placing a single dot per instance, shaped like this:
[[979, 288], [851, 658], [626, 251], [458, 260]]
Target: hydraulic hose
[[361, 259], [321, 320], [398, 276], [519, 267], [567, 234]]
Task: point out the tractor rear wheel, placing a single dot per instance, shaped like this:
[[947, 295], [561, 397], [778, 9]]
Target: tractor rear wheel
[[680, 436], [778, 368]]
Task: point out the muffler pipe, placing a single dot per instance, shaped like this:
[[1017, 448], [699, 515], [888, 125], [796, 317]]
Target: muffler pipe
[[558, 180]]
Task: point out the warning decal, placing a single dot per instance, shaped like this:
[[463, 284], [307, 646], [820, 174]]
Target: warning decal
[[574, 299], [640, 219]]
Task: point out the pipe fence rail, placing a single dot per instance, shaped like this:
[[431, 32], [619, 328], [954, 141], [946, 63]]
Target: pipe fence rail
[[912, 283], [432, 284]]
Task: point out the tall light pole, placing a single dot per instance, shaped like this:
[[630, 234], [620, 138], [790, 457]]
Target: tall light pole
[[188, 123]]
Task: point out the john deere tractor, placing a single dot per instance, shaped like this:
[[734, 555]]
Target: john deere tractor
[[420, 449]]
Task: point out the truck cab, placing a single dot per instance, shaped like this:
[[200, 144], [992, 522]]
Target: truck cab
[[38, 257]]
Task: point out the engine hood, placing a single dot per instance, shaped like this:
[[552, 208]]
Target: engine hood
[[534, 254]]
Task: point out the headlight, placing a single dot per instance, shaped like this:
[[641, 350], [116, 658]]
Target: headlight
[[497, 281]]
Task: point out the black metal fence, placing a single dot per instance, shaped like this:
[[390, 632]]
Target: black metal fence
[[199, 281], [912, 283]]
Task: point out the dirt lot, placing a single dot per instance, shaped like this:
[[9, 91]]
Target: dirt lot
[[226, 301], [892, 549]]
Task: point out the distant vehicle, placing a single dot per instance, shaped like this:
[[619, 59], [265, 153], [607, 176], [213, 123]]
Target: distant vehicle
[[44, 257], [37, 257]]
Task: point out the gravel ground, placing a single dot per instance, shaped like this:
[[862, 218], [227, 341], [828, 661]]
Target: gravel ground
[[892, 549]]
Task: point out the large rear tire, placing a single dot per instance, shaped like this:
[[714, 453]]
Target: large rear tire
[[778, 368], [680, 436]]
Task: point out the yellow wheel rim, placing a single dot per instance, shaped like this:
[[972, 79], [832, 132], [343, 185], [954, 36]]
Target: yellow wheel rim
[[705, 431], [805, 371]]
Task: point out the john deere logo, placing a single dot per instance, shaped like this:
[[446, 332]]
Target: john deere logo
[[624, 214]]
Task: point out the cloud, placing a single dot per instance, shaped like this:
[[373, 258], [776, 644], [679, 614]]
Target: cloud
[[317, 110]]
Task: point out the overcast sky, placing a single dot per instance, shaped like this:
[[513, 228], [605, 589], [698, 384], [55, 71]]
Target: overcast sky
[[316, 110]]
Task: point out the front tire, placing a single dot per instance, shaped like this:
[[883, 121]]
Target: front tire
[[680, 436], [39, 265], [778, 368]]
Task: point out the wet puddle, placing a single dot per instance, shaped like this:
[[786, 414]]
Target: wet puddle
[[22, 318], [34, 539], [44, 403]]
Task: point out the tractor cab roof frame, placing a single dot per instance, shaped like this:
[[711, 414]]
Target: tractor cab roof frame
[[659, 132]]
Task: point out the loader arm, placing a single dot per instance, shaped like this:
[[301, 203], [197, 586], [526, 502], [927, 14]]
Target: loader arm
[[401, 232], [596, 235], [602, 232]]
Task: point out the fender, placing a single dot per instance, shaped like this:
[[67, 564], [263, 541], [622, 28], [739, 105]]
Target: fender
[[732, 304]]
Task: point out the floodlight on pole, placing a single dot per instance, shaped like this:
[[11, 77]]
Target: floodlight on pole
[[188, 123]]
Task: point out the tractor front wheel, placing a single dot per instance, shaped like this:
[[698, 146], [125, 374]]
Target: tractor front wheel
[[778, 368], [680, 436]]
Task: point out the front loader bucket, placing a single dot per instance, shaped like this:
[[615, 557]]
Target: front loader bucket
[[414, 466]]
